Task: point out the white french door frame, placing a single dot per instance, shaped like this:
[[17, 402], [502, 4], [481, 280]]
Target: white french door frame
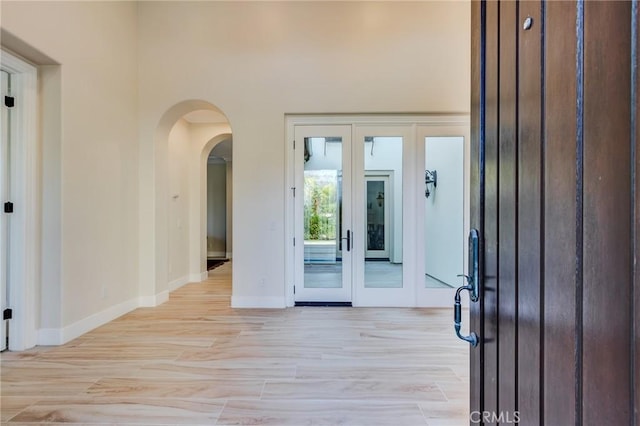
[[344, 292], [23, 244], [413, 244]]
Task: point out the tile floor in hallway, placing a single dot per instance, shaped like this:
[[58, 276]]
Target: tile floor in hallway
[[196, 361]]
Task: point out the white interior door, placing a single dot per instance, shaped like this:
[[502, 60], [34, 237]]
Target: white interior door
[[4, 196], [323, 213]]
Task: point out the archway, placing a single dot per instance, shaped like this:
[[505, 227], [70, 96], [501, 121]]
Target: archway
[[221, 145], [156, 281]]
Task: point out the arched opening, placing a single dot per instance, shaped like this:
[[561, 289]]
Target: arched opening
[[217, 155], [185, 132]]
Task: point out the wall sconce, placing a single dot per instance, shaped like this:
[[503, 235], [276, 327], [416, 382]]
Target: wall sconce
[[372, 140], [380, 199], [430, 177]]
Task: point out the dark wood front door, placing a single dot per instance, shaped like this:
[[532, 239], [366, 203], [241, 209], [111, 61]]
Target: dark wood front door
[[555, 164]]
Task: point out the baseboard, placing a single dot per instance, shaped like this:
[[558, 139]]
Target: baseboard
[[153, 301], [176, 284], [215, 254], [60, 336], [229, 255], [50, 337], [196, 278], [258, 302]]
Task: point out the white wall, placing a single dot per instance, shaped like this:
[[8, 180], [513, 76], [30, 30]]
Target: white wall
[[178, 202], [128, 71], [89, 134], [217, 209], [257, 61]]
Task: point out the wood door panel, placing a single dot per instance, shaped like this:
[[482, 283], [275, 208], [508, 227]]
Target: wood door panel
[[507, 287], [529, 194], [559, 248], [489, 302], [635, 222], [607, 203], [476, 181], [555, 131]]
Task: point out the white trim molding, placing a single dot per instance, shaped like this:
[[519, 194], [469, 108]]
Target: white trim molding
[[24, 244], [60, 336], [197, 278], [153, 301], [176, 284]]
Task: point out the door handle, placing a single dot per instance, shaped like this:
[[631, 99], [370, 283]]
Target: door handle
[[472, 287], [348, 238]]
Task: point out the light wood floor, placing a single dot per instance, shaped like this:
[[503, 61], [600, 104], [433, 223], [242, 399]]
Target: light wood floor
[[194, 360]]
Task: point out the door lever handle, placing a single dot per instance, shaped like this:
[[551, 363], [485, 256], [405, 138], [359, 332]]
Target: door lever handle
[[457, 317], [472, 286], [348, 238]]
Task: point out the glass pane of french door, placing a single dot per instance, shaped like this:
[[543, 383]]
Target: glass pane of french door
[[443, 216], [323, 175], [383, 207], [384, 194], [444, 211]]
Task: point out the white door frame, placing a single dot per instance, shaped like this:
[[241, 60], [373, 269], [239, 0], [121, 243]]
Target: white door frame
[[24, 224], [4, 195], [458, 122]]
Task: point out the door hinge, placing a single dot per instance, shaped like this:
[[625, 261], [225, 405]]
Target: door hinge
[[8, 207], [294, 144], [9, 101], [7, 314], [294, 242], [293, 188], [294, 289]]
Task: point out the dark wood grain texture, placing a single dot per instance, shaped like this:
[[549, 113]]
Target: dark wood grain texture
[[477, 103], [489, 291], [560, 311], [607, 203], [508, 209], [635, 218], [530, 204], [559, 253]]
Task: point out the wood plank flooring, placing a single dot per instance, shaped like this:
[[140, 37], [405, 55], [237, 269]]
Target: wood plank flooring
[[196, 361]]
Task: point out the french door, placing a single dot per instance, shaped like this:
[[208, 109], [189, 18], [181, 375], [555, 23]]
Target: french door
[[368, 228], [350, 243], [384, 259], [323, 209]]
